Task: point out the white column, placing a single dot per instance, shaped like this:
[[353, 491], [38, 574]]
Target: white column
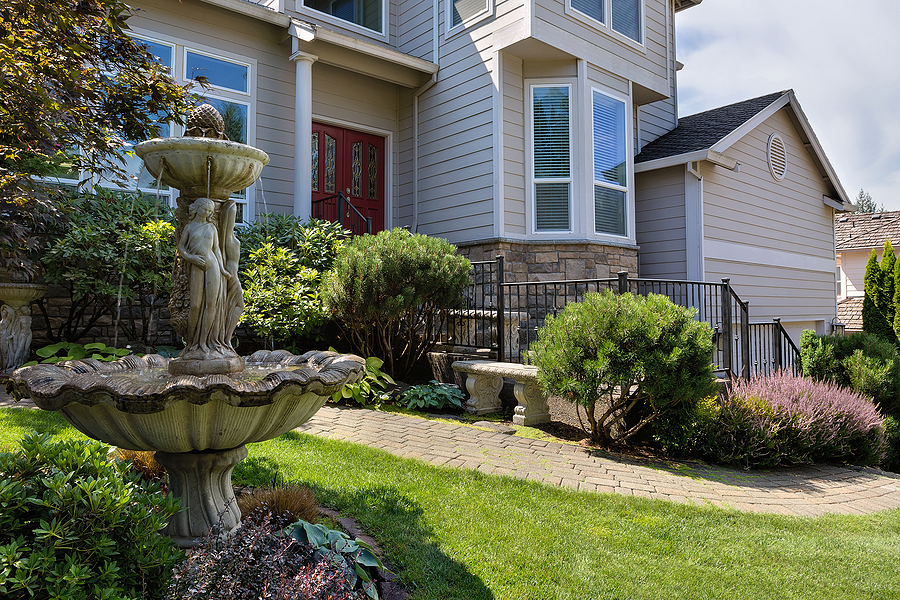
[[303, 134]]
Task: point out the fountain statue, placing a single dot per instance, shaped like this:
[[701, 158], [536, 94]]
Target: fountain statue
[[199, 410]]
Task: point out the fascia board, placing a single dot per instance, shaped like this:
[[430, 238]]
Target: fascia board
[[838, 206], [323, 34], [820, 153], [252, 10], [717, 158]]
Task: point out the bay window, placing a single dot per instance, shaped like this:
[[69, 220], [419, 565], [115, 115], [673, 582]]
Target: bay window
[[622, 16], [368, 14], [610, 166]]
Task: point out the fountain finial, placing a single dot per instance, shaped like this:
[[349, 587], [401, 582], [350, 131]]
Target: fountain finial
[[206, 122]]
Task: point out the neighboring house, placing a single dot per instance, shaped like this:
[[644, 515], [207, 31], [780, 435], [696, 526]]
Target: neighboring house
[[855, 236], [511, 126]]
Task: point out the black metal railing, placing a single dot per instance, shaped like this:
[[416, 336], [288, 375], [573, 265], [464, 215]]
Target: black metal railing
[[504, 317], [338, 209], [772, 350]]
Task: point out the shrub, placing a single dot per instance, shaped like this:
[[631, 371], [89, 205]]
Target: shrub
[[284, 504], [787, 419], [117, 250], [76, 525], [433, 396], [388, 292], [61, 351], [616, 356], [145, 464], [891, 460], [257, 561], [681, 430], [281, 296], [860, 361], [315, 243]]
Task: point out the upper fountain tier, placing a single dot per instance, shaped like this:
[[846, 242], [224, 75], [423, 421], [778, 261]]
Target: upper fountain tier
[[203, 163]]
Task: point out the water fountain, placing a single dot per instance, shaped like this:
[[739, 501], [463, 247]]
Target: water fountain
[[199, 410]]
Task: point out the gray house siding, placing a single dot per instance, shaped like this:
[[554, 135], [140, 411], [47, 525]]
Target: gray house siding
[[660, 221]]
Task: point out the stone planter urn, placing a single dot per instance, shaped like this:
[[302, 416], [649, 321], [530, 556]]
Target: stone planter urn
[[15, 323]]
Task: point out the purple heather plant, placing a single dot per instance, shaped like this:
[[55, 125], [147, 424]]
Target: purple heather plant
[[786, 419]]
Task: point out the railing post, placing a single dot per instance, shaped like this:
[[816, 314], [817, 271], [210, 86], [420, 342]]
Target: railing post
[[340, 210], [727, 326], [368, 224], [745, 340], [501, 310], [777, 353], [623, 282]]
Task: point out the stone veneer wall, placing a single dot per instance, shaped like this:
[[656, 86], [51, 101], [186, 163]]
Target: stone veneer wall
[[547, 261]]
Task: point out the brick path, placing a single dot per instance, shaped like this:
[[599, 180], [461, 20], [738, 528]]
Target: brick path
[[807, 491]]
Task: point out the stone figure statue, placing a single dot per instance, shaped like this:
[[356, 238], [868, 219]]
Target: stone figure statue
[[207, 278], [234, 295], [15, 336]]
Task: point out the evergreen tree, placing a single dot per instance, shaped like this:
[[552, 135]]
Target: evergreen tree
[[874, 321], [886, 290], [896, 322]]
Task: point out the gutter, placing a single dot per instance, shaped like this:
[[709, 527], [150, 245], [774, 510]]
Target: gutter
[[253, 10]]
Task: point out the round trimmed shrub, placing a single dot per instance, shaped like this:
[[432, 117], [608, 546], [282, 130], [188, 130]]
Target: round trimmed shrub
[[389, 292], [76, 525], [621, 356], [787, 420]]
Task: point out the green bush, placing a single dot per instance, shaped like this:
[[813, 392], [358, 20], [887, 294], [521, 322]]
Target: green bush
[[681, 430], [433, 396], [76, 525], [117, 250], [368, 390], [617, 356], [315, 243], [859, 361], [281, 296], [892, 437], [388, 292]]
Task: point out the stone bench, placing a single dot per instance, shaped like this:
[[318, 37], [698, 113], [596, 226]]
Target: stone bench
[[484, 380]]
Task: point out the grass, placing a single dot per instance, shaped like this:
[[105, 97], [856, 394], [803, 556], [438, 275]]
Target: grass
[[455, 534]]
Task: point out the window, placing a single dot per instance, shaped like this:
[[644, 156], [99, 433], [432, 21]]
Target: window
[[552, 162], [626, 15], [365, 13], [462, 11], [610, 164]]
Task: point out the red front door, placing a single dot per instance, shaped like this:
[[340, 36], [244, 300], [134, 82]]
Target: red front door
[[351, 162]]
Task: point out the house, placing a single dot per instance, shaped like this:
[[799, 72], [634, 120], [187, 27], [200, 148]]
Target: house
[[855, 236], [545, 130]]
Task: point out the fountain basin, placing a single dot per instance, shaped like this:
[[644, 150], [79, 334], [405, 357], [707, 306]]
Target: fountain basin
[[202, 167], [133, 403]]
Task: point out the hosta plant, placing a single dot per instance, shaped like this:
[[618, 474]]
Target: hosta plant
[[370, 389], [61, 351], [433, 396]]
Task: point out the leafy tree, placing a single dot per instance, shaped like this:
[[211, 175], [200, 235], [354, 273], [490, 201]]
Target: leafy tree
[[73, 87], [865, 204], [617, 356]]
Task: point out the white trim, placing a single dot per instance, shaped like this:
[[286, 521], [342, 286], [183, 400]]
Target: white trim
[[712, 156], [693, 219], [758, 255], [498, 154], [253, 10], [213, 55], [531, 212], [382, 35], [323, 34], [451, 31]]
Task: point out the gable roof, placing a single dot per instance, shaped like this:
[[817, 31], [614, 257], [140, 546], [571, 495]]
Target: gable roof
[[864, 231], [849, 312], [709, 134]]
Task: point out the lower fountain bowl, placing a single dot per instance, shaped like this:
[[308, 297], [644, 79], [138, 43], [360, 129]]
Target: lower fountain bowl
[[134, 403]]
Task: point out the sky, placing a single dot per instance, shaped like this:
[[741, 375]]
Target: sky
[[842, 59]]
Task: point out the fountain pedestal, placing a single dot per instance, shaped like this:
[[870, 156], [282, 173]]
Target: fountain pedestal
[[203, 482]]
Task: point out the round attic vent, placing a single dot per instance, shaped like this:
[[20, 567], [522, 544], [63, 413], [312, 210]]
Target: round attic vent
[[776, 156]]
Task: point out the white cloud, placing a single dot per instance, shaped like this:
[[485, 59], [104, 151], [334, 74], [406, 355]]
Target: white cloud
[[841, 60]]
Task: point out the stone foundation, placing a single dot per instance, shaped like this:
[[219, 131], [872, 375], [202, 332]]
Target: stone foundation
[[548, 261]]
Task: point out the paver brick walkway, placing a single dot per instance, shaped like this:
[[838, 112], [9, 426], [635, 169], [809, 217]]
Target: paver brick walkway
[[807, 491]]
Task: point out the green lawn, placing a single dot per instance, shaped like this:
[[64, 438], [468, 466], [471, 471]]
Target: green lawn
[[464, 535]]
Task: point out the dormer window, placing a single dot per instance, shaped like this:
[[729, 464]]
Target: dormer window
[[626, 15]]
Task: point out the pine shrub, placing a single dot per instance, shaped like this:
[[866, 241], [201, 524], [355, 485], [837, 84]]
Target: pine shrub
[[787, 420], [621, 356], [859, 361], [389, 293], [75, 525]]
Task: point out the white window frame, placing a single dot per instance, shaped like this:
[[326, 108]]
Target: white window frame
[[532, 181], [313, 13], [451, 30], [628, 189], [217, 88], [607, 25]]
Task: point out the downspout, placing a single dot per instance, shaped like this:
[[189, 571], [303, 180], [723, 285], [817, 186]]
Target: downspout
[[435, 49]]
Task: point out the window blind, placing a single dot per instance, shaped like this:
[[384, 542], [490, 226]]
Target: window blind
[[551, 132], [626, 18], [609, 210], [609, 140], [592, 8], [551, 202]]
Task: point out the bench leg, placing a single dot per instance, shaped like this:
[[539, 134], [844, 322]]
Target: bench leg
[[484, 393], [532, 408]]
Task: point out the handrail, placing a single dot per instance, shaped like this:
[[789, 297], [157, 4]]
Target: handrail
[[342, 200]]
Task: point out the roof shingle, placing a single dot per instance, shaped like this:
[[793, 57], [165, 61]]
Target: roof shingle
[[857, 231]]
